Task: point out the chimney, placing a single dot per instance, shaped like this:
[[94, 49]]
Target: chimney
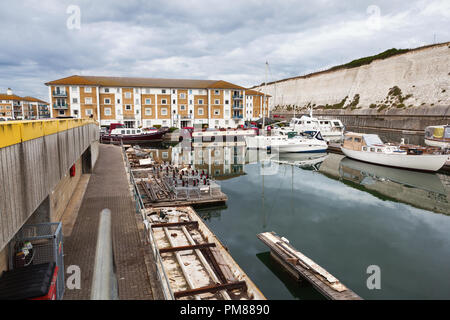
[[9, 92]]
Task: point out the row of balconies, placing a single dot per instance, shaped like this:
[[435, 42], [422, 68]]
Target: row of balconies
[[59, 94]]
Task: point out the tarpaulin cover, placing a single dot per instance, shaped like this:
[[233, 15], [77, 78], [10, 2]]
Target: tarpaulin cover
[[372, 139]]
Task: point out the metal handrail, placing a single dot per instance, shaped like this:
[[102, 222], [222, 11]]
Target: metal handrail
[[140, 208]]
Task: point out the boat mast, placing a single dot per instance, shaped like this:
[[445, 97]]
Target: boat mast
[[264, 97]]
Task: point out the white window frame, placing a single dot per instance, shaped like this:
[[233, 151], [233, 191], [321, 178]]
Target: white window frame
[[182, 95], [148, 111], [164, 111], [88, 89], [88, 112], [148, 101], [128, 95], [200, 101], [86, 99], [216, 101], [164, 101], [128, 107], [217, 112], [107, 99], [183, 107], [216, 92], [200, 111], [108, 111]]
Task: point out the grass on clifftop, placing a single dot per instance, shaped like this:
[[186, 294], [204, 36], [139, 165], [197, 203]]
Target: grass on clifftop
[[367, 60]]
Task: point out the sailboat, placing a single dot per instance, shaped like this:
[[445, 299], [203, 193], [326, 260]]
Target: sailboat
[[286, 142]]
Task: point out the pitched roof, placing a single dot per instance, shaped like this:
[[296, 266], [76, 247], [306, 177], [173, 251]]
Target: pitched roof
[[143, 82], [250, 92], [4, 96]]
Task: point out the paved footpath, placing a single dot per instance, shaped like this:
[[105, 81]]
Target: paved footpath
[[108, 188]]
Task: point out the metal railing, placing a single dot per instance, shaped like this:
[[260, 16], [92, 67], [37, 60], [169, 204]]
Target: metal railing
[[59, 94], [140, 208]]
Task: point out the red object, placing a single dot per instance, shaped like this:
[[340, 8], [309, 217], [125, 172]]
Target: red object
[[51, 294], [72, 171]]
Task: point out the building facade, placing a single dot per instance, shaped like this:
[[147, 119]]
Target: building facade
[[148, 102], [13, 107]]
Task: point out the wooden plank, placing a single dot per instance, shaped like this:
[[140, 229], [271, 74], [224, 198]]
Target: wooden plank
[[333, 291], [189, 247], [211, 289], [175, 224]]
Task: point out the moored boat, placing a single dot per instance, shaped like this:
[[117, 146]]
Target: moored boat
[[370, 148], [289, 142], [132, 135], [438, 136]]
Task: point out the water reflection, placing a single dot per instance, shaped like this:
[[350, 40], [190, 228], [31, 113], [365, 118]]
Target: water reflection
[[422, 190]]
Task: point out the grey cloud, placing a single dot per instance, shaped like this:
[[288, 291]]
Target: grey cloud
[[228, 40]]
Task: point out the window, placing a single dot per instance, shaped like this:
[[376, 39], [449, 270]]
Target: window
[[216, 101], [216, 92], [227, 102], [174, 101], [164, 122], [357, 139], [372, 149], [148, 111], [183, 107], [190, 101], [147, 90], [136, 90], [200, 101], [88, 112], [107, 101], [165, 154], [163, 90], [164, 111], [216, 112], [148, 101], [107, 111], [87, 89], [173, 91], [163, 101], [87, 100], [182, 96], [364, 148], [75, 100], [122, 131], [118, 101], [61, 112], [128, 95], [128, 107], [137, 101], [107, 90], [190, 91], [200, 111], [74, 89]]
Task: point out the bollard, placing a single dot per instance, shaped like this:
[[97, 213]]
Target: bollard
[[104, 285]]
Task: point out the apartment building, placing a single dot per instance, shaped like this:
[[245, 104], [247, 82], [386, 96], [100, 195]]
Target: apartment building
[[22, 108], [146, 102]]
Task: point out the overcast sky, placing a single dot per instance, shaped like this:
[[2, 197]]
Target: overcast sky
[[229, 40]]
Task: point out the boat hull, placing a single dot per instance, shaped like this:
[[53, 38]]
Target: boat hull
[[138, 138], [285, 146], [413, 162], [437, 143]]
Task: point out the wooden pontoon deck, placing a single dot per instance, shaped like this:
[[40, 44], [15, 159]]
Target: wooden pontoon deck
[[298, 265], [197, 265]]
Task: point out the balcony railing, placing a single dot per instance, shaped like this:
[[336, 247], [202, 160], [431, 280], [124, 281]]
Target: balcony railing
[[237, 96], [59, 94], [60, 106], [238, 116], [238, 106]]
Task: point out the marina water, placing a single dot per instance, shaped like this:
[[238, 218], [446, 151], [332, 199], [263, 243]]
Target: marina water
[[344, 214]]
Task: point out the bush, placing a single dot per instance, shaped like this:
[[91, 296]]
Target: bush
[[157, 126]]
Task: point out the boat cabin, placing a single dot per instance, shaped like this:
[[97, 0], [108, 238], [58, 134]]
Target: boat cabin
[[438, 133], [126, 131]]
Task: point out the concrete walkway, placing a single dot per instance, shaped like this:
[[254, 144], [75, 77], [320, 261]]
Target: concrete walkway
[[108, 188]]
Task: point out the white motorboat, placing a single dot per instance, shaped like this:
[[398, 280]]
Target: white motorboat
[[289, 142], [330, 129], [438, 136], [370, 148]]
